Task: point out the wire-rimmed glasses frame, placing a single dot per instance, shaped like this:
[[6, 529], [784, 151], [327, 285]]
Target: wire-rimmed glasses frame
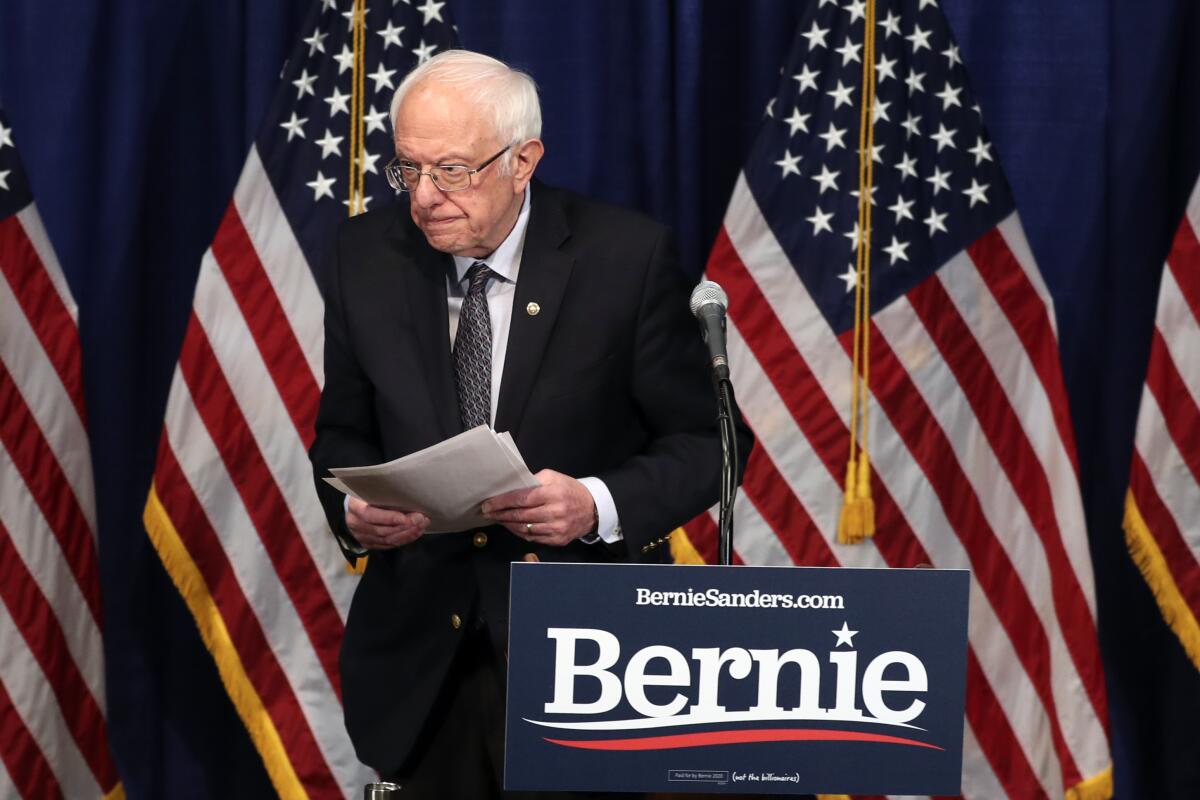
[[404, 176]]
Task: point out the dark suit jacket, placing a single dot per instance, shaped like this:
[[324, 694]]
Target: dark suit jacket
[[609, 379]]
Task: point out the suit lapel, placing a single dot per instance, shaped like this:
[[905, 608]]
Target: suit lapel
[[545, 271], [426, 295]]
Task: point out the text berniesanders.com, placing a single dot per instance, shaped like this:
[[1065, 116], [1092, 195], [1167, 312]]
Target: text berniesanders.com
[[715, 598]]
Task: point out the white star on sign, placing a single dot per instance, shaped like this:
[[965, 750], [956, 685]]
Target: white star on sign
[[316, 42], [815, 36], [424, 52], [833, 137], [910, 125], [896, 251], [851, 279], [849, 52], [936, 222], [886, 68], [350, 15], [951, 54], [432, 11], [337, 102], [890, 24], [368, 162], [949, 96], [940, 180], [294, 126], [797, 121], [382, 78], [807, 78], [827, 179], [375, 120], [345, 60], [845, 636], [391, 35], [322, 186], [5, 136], [328, 5], [879, 111], [919, 39], [820, 221], [982, 151], [857, 9], [877, 153], [330, 144], [841, 95], [977, 192], [930, 3], [944, 138], [770, 109], [902, 208], [304, 84], [907, 167], [914, 82], [788, 164], [366, 201], [4, 173]]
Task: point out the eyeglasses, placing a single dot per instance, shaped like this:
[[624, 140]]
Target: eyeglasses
[[405, 175]]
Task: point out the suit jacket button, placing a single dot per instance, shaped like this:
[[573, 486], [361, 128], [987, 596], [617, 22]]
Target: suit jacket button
[[479, 539], [455, 621]]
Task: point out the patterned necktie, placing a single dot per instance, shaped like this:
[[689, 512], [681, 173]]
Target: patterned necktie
[[473, 351]]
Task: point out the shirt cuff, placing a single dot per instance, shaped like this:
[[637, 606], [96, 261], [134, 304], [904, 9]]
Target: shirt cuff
[[608, 527], [350, 546]]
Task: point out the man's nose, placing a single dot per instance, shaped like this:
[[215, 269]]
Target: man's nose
[[426, 194]]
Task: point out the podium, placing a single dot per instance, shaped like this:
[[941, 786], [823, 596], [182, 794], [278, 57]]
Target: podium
[[738, 680]]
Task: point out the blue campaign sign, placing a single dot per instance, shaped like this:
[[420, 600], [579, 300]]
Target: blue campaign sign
[[783, 680]]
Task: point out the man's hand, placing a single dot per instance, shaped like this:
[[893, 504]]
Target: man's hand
[[556, 513], [378, 528]]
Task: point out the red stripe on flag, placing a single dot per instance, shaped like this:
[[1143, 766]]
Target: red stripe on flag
[[34, 618], [1180, 559], [702, 533], [984, 713], [268, 323], [1010, 442], [261, 496], [245, 628], [44, 309], [778, 505], [824, 429], [23, 759], [915, 423], [1184, 263], [35, 461], [1175, 401], [1013, 291]]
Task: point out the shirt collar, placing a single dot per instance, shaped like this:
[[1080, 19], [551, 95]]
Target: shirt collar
[[505, 260]]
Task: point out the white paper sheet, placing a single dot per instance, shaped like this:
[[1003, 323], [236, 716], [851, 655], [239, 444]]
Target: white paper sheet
[[447, 481]]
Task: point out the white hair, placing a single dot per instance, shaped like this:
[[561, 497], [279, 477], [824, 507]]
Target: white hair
[[506, 95]]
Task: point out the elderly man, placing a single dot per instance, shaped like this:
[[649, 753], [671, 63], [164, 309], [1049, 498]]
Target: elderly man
[[494, 299]]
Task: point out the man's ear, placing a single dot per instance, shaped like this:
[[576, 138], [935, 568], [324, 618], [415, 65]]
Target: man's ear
[[528, 154]]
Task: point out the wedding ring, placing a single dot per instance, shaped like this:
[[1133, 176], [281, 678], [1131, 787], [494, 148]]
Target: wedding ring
[[529, 527]]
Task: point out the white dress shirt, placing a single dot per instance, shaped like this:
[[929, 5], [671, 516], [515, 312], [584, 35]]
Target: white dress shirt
[[505, 261]]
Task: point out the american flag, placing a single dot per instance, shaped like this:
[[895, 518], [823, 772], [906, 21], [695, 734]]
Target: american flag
[[52, 708], [1162, 508], [232, 511], [970, 440]]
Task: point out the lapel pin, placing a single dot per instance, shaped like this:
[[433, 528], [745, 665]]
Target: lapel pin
[[532, 309]]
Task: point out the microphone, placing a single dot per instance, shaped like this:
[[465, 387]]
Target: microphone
[[708, 306]]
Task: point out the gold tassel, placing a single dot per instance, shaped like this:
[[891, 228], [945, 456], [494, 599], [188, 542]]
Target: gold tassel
[[866, 503], [850, 521]]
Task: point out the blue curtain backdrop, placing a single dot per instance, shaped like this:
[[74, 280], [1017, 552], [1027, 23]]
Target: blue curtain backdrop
[[134, 117]]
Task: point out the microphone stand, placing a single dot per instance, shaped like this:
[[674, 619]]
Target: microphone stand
[[729, 464]]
